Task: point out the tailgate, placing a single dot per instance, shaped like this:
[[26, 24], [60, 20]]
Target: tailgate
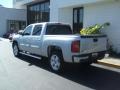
[[93, 43]]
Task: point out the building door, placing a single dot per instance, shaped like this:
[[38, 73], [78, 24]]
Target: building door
[[77, 19]]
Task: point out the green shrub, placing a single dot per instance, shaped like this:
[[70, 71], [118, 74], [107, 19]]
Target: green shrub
[[95, 29]]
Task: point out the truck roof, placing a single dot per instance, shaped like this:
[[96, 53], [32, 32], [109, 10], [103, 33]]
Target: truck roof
[[50, 23]]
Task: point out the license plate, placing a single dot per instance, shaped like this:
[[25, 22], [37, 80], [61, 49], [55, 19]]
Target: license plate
[[94, 54]]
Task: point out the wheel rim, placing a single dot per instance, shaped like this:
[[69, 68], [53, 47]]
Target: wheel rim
[[15, 50], [55, 62]]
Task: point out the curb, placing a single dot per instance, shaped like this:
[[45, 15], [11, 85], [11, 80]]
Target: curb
[[109, 64]]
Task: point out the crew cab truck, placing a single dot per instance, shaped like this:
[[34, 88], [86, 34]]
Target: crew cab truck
[[57, 42]]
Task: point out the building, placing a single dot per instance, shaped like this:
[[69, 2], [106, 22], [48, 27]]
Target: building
[[78, 13], [11, 20], [37, 10]]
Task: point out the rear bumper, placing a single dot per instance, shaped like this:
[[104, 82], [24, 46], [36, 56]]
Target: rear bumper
[[91, 57]]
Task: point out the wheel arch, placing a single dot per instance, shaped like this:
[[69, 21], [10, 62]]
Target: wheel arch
[[14, 42], [54, 48]]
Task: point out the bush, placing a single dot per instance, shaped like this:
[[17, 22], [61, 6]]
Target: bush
[[95, 29]]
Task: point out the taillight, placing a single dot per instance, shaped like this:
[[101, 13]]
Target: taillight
[[75, 46]]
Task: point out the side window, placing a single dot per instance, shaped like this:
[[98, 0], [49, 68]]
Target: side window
[[37, 30], [28, 30]]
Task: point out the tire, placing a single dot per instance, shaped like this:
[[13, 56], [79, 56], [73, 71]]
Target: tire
[[16, 50], [101, 56], [56, 61]]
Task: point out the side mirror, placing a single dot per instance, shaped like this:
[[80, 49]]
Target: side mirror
[[24, 34], [20, 32]]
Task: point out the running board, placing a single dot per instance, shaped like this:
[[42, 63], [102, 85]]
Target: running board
[[30, 55]]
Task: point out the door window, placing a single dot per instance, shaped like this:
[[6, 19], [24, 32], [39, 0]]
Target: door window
[[28, 30], [37, 30]]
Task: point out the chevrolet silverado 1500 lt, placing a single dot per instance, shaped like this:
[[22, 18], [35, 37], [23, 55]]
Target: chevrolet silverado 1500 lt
[[57, 42]]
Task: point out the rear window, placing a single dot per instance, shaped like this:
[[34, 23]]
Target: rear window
[[58, 30]]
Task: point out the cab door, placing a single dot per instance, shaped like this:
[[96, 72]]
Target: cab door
[[36, 40], [25, 39]]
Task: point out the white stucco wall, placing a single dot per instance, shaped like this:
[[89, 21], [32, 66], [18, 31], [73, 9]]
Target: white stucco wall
[[68, 3], [66, 15], [105, 12], [21, 4], [61, 14], [61, 10], [55, 5], [10, 14]]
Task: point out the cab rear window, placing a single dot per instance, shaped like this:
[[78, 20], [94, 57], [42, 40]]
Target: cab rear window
[[58, 30]]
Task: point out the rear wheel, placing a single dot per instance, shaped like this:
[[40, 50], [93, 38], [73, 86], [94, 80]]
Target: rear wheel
[[56, 61], [16, 50], [101, 56]]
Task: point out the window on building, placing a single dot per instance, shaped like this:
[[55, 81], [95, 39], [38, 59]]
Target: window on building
[[38, 12], [15, 26]]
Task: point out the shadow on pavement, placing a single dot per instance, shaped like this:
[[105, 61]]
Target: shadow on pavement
[[116, 56], [113, 54], [91, 76]]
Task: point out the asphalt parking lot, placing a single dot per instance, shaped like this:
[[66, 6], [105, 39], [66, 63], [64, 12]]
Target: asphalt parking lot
[[27, 73]]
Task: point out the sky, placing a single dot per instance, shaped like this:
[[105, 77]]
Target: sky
[[6, 3]]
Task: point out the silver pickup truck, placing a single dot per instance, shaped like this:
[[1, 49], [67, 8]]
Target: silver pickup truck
[[57, 42]]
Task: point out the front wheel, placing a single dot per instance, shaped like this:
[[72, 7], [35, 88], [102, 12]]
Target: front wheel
[[56, 61], [16, 50]]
